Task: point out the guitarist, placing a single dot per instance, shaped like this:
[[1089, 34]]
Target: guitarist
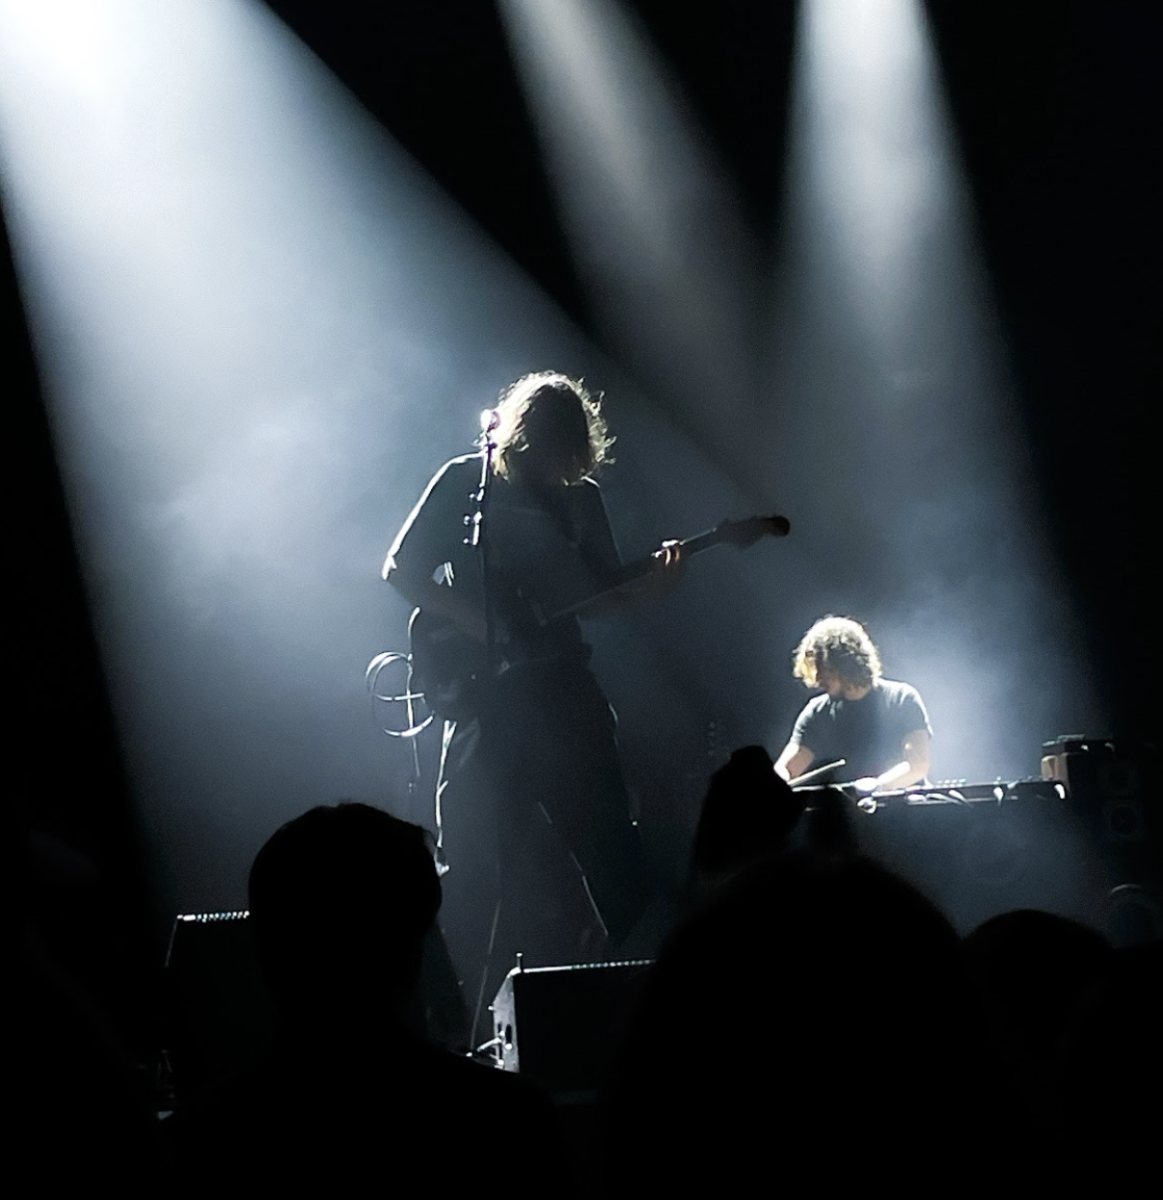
[[529, 733]]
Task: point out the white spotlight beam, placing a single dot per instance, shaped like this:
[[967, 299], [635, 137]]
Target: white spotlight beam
[[906, 435], [876, 145], [651, 219], [260, 329]]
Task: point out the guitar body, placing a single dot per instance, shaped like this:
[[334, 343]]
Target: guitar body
[[447, 664], [453, 671]]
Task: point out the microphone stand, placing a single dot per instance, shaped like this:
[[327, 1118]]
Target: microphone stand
[[478, 539], [478, 531]]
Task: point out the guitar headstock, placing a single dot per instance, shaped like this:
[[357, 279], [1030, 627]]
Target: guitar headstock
[[749, 530]]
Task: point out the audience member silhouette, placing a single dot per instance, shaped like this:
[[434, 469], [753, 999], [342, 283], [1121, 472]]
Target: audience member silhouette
[[748, 814], [1082, 1027], [341, 899], [1109, 1074], [812, 1024], [1035, 969]]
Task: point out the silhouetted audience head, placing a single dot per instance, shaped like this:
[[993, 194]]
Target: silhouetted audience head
[[340, 901], [1036, 967], [344, 1100], [810, 1015], [748, 813], [1111, 1065]]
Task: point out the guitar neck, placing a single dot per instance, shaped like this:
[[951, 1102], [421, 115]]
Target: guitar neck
[[641, 568]]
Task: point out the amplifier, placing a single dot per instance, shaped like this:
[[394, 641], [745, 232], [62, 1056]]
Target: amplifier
[[217, 1015], [558, 1025], [1121, 814], [1082, 841]]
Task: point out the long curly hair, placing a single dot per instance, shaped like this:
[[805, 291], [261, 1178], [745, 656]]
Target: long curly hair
[[838, 646], [564, 412]]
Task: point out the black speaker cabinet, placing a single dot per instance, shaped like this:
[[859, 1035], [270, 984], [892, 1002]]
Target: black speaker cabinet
[[217, 1016], [987, 849], [1084, 841], [1122, 816], [559, 1025]]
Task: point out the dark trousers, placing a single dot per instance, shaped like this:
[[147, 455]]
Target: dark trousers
[[536, 816]]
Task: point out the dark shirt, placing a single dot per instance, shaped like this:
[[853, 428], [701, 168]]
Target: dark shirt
[[867, 733], [549, 548]]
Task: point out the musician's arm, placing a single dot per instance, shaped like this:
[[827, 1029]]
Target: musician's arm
[[912, 768], [914, 744], [603, 605], [915, 765], [657, 582], [430, 544], [794, 760], [602, 550]]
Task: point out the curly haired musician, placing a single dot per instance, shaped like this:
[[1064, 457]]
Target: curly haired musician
[[530, 736], [878, 726]]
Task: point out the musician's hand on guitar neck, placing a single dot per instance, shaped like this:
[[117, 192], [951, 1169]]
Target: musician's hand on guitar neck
[[668, 563], [658, 573], [669, 554]]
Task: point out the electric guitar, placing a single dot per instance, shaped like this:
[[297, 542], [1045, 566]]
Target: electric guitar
[[448, 664]]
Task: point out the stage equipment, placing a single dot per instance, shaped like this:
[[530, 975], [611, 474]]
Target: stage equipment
[[218, 1016], [1105, 782], [559, 1025], [975, 849], [216, 1013], [959, 792], [1103, 778]]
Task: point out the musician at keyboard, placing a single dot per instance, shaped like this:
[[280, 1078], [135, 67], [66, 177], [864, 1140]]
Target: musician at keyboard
[[878, 726]]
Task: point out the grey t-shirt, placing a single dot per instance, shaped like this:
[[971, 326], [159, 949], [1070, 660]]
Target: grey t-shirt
[[867, 733]]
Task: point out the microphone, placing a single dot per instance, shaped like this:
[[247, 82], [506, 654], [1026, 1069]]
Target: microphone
[[490, 419]]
